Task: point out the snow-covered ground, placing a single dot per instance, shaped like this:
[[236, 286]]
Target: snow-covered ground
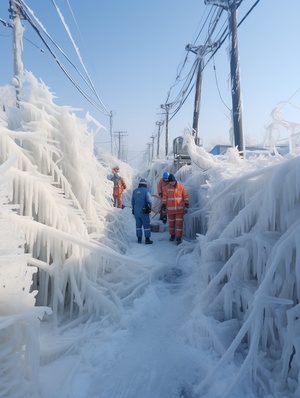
[[149, 356]]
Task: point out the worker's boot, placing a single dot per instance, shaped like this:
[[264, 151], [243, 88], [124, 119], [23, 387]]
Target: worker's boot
[[139, 239], [148, 241]]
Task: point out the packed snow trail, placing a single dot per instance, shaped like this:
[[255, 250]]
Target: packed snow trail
[[149, 358], [148, 354]]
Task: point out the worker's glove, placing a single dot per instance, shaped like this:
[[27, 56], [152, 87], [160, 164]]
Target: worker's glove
[[186, 208], [164, 219], [163, 207], [132, 211], [147, 208]]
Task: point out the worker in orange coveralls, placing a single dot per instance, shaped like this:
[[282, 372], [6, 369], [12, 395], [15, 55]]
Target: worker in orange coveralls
[[162, 183], [119, 187], [175, 200]]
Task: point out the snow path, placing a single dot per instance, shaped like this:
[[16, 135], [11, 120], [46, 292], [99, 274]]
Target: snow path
[[147, 355], [149, 358], [153, 352]]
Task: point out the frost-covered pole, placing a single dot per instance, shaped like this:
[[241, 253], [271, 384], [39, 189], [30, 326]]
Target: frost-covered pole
[[166, 107], [17, 43], [149, 156], [152, 147], [201, 51], [120, 135], [200, 54], [111, 131], [197, 96], [235, 78], [231, 7], [159, 124]]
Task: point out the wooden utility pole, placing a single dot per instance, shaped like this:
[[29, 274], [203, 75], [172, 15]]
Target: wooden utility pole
[[231, 7], [17, 45], [197, 96], [149, 157], [159, 124], [111, 131], [152, 149], [166, 107], [201, 51], [235, 79], [120, 135]]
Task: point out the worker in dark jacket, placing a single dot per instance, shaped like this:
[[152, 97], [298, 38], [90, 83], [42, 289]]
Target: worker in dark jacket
[[162, 183], [141, 208]]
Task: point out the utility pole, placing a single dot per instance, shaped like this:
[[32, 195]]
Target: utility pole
[[17, 45], [149, 158], [120, 135], [111, 131], [152, 151], [166, 107], [200, 51], [231, 7], [159, 124], [198, 95]]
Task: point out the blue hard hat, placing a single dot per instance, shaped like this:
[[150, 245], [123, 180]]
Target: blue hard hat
[[166, 174]]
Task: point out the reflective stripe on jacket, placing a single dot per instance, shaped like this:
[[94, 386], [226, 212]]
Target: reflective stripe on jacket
[[175, 198]]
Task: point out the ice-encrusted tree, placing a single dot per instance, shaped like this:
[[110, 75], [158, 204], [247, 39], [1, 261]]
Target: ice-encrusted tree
[[248, 270], [19, 317], [69, 248]]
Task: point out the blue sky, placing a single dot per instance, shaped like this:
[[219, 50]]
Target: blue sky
[[133, 50]]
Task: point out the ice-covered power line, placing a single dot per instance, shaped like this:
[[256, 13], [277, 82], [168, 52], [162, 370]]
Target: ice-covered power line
[[33, 21], [5, 23], [79, 56]]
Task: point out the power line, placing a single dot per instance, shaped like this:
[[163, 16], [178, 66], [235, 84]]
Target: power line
[[79, 57], [25, 14], [220, 39]]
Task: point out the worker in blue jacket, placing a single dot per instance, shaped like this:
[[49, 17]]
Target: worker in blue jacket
[[141, 208]]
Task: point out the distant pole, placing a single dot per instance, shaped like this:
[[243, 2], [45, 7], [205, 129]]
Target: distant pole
[[111, 131], [149, 158], [166, 107], [159, 124], [152, 147], [231, 7], [120, 135]]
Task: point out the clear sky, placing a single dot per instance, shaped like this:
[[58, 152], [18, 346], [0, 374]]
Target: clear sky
[[133, 51]]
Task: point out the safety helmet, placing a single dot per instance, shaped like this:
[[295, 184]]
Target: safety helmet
[[143, 181], [166, 175]]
